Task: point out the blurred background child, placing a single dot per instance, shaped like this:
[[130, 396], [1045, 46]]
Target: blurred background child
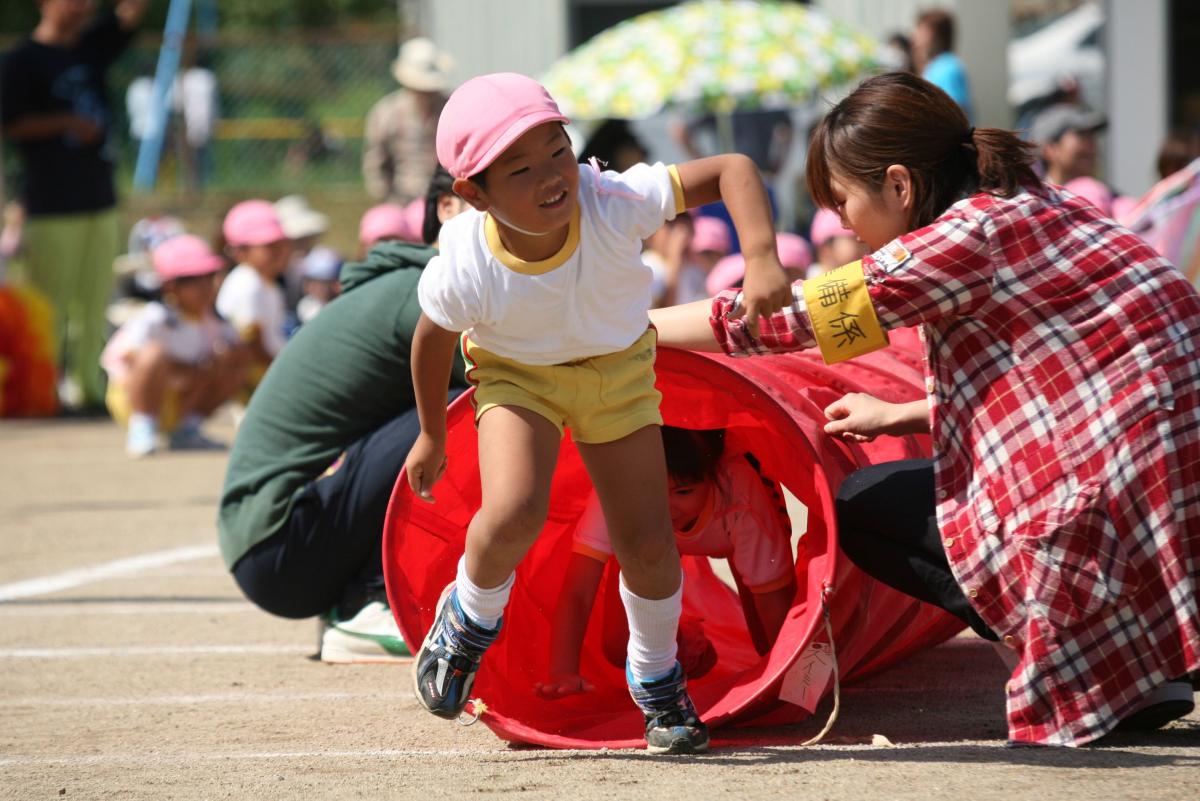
[[251, 298], [711, 243], [174, 362], [836, 245], [321, 268], [304, 226], [383, 223], [667, 252], [795, 256], [722, 507]]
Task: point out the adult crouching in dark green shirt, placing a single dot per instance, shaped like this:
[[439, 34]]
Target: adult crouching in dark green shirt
[[321, 445]]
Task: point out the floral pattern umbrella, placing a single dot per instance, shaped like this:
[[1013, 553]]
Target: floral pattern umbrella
[[710, 55]]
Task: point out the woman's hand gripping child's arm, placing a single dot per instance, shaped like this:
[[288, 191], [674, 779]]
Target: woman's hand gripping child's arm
[[432, 357], [734, 179]]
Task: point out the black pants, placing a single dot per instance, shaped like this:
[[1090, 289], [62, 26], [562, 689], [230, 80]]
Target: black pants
[[329, 553], [888, 528]]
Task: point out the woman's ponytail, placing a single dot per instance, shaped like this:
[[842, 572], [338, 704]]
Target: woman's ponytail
[[1004, 162]]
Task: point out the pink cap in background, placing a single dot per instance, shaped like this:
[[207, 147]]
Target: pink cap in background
[[414, 218], [385, 221], [711, 233], [184, 256], [487, 114], [253, 222], [794, 252], [1122, 205], [1093, 192], [827, 224], [725, 273]]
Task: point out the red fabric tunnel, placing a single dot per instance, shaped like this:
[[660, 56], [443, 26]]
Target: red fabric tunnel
[[770, 406]]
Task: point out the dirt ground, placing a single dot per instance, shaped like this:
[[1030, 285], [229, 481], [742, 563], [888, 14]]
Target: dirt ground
[[132, 668]]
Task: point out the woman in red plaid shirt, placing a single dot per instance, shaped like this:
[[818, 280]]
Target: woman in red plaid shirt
[[1060, 514]]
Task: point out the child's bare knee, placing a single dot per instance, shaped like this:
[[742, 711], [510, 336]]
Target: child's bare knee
[[515, 523]]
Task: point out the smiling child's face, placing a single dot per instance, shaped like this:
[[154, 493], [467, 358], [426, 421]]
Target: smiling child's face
[[534, 184]]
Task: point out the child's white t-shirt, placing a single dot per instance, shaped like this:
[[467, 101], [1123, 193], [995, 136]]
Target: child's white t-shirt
[[589, 299], [187, 341], [744, 521], [247, 301]]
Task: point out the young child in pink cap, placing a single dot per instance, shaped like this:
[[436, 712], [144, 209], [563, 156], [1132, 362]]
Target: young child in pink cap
[[835, 243], [173, 363], [543, 283], [251, 298]]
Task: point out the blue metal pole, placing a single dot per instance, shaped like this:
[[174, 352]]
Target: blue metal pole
[[146, 171]]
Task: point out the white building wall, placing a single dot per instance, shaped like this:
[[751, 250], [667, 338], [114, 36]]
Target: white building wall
[[498, 35], [1136, 33]]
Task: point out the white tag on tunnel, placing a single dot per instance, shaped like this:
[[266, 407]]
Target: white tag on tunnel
[[806, 682]]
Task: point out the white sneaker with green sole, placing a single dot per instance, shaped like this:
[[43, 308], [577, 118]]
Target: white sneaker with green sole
[[371, 636]]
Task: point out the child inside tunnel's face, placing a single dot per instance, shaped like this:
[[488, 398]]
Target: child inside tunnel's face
[[687, 501]]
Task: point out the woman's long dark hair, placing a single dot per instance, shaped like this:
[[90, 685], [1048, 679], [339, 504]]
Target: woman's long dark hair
[[440, 184], [899, 118]]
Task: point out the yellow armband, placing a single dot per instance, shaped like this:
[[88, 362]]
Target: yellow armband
[[843, 319]]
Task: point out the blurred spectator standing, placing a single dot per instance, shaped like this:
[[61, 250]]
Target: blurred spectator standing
[[1066, 137], [196, 103], [398, 152], [933, 57], [614, 144], [764, 136], [56, 111]]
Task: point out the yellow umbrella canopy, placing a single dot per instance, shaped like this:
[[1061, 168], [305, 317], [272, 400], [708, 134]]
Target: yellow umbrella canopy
[[710, 55]]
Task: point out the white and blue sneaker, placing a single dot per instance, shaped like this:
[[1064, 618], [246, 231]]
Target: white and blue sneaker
[[370, 636], [672, 725], [445, 667], [142, 437]]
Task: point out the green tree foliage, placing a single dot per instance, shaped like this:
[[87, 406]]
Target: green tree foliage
[[19, 16]]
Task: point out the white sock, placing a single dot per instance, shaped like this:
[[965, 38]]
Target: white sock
[[483, 607], [143, 421], [652, 629]]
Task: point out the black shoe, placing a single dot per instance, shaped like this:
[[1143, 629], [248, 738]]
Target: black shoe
[[672, 725], [445, 667], [1168, 702]]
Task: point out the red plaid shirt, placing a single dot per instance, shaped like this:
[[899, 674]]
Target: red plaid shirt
[[1062, 361]]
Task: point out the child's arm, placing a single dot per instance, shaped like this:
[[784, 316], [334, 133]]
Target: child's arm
[[432, 357], [570, 624], [734, 179], [770, 609]]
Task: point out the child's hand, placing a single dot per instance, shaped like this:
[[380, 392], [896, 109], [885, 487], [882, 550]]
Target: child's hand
[[859, 417], [425, 464], [563, 686], [765, 291]]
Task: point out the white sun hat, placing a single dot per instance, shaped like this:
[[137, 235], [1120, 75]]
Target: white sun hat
[[422, 66]]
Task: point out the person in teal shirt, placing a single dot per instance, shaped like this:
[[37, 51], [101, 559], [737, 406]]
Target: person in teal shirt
[[933, 56], [323, 440]]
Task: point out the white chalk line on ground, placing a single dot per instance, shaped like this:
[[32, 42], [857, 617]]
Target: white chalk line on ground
[[119, 567], [127, 608], [203, 698], [151, 650]]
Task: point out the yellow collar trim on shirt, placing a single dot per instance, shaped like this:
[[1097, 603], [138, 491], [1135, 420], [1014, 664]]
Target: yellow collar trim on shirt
[[519, 265], [703, 519]]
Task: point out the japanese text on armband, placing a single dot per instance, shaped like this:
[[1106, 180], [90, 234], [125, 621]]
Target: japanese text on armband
[[843, 319]]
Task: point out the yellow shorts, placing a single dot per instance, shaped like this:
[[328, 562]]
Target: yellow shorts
[[601, 399], [117, 401]]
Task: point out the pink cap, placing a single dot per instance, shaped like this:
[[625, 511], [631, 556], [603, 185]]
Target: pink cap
[[1122, 205], [487, 114], [1092, 191], [725, 273], [253, 222], [385, 221], [826, 225], [711, 234], [794, 252], [414, 218], [183, 256]]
